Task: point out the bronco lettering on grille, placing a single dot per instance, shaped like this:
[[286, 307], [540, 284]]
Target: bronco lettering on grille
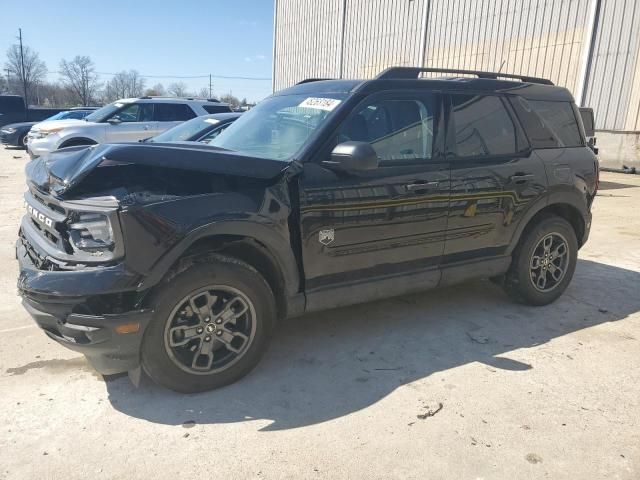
[[39, 216]]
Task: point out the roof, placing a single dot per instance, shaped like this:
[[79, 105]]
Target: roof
[[406, 78], [147, 99]]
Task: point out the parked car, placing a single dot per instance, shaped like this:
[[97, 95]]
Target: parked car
[[126, 120], [200, 129], [180, 259], [15, 134], [14, 110]]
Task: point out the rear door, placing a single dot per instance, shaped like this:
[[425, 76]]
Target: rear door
[[167, 115], [495, 176], [358, 227]]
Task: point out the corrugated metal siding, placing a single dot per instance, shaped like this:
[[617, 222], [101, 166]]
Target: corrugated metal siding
[[380, 33], [307, 40], [611, 80], [539, 38], [544, 38]]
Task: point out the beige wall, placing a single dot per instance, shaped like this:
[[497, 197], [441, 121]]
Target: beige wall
[[545, 38]]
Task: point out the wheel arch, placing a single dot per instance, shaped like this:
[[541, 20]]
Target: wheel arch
[[254, 244], [77, 141], [564, 207]]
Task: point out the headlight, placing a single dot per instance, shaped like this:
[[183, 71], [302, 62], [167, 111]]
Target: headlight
[[91, 232], [45, 133], [9, 130]]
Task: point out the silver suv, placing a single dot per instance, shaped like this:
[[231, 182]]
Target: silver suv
[[126, 120]]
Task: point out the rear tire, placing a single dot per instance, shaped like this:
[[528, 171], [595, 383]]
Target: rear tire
[[23, 141], [212, 324], [543, 263]]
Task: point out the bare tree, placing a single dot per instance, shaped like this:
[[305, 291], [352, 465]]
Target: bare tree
[[204, 92], [178, 89], [157, 90], [79, 76], [230, 99], [29, 72], [124, 85]]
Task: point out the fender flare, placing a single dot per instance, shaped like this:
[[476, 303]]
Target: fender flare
[[279, 247], [572, 198]]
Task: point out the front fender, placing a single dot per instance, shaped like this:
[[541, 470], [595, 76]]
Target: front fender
[[95, 134], [269, 235]]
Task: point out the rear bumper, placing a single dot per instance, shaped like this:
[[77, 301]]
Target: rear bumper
[[55, 298]]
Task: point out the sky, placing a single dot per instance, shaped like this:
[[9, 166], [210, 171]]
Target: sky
[[232, 38]]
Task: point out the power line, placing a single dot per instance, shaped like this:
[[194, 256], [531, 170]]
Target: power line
[[187, 77]]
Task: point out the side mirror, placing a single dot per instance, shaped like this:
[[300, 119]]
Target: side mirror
[[114, 121], [353, 157]]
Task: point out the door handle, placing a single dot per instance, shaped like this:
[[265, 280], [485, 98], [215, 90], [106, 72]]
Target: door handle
[[520, 178], [417, 187]]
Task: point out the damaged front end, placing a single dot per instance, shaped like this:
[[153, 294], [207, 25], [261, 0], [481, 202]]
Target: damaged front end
[[100, 219]]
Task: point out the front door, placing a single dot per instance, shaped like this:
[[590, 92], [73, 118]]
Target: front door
[[495, 177], [367, 226], [133, 122]]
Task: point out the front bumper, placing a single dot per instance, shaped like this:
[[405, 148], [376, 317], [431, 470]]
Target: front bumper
[[55, 299], [36, 147]]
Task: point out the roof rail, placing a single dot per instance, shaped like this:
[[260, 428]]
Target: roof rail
[[309, 80], [414, 72]]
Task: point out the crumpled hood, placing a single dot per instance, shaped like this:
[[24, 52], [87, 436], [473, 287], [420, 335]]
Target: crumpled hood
[[61, 170]]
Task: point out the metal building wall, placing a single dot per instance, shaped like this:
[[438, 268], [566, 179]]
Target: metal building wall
[[307, 40], [547, 38], [380, 33], [539, 38], [613, 87]]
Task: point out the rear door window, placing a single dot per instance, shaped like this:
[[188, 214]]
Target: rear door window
[[173, 112], [482, 126]]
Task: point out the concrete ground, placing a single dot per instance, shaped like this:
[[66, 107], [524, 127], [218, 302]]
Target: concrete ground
[[453, 383]]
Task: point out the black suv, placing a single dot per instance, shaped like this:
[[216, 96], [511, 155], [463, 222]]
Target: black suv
[[179, 259]]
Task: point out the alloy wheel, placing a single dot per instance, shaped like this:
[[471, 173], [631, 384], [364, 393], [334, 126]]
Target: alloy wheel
[[210, 329], [549, 262]]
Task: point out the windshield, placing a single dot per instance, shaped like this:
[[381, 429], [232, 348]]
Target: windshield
[[105, 112], [279, 126], [186, 130], [74, 114], [58, 116]]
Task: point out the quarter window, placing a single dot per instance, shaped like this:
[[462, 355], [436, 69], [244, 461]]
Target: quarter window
[[216, 108], [483, 126], [399, 130], [559, 119], [173, 112]]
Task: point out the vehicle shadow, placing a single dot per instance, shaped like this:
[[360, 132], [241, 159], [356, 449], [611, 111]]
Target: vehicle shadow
[[331, 364]]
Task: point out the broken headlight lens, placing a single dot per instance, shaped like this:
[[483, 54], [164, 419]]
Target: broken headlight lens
[[91, 232]]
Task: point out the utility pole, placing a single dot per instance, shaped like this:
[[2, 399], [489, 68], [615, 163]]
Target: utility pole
[[210, 87]]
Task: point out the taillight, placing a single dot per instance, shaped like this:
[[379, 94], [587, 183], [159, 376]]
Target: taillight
[[597, 165]]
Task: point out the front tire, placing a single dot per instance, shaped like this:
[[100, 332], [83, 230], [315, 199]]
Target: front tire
[[212, 324], [543, 263], [23, 141]]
